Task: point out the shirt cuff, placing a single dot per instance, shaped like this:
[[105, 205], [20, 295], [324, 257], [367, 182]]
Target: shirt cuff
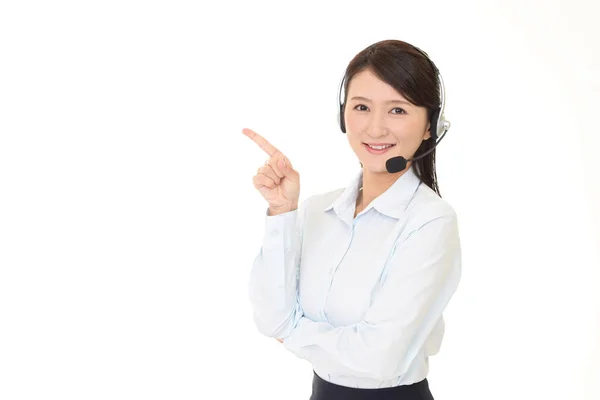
[[280, 230]]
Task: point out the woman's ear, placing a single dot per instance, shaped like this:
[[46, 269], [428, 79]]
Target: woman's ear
[[427, 134]]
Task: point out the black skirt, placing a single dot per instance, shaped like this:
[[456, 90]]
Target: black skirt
[[324, 390]]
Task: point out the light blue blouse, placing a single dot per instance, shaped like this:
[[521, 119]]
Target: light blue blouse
[[360, 298]]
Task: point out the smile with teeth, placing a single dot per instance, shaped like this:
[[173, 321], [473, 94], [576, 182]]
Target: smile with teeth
[[378, 148]]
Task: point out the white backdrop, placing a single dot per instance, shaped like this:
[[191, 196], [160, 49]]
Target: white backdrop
[[128, 220]]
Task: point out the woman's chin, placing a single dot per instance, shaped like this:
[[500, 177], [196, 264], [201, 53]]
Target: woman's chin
[[374, 167]]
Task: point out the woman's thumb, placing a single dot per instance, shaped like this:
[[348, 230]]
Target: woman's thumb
[[286, 168], [282, 165]]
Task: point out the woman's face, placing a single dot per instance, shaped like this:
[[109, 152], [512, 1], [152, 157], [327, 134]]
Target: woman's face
[[381, 123]]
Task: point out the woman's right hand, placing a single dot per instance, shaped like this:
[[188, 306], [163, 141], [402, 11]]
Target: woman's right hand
[[277, 181]]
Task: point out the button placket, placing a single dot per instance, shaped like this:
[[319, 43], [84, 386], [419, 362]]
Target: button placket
[[333, 269]]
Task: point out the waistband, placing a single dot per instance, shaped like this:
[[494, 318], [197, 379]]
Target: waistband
[[325, 390]]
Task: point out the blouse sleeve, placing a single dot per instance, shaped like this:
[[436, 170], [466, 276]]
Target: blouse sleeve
[[420, 278], [273, 283]]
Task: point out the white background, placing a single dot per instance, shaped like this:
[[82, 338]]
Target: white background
[[128, 220]]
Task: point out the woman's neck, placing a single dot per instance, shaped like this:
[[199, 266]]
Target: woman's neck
[[373, 185]]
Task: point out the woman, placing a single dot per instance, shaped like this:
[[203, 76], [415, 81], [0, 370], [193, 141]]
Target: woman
[[355, 280]]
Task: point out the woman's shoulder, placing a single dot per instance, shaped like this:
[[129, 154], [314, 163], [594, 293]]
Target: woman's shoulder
[[322, 200], [427, 205]]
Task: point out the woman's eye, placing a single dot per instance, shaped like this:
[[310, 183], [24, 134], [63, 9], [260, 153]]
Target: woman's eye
[[398, 111], [361, 107]]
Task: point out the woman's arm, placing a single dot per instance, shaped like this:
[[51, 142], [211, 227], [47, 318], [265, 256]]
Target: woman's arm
[[274, 276], [418, 282]]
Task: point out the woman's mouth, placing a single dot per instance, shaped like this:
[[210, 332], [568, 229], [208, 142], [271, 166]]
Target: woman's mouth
[[378, 148]]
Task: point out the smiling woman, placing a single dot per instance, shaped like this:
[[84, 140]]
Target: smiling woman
[[356, 280]]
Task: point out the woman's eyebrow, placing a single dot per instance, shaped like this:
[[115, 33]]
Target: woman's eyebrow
[[387, 102]]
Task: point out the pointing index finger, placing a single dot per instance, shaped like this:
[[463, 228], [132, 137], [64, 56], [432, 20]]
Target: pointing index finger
[[261, 142]]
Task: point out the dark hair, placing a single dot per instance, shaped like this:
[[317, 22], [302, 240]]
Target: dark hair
[[411, 73]]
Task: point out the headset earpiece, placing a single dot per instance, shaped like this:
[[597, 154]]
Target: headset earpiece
[[434, 126], [341, 118], [341, 105]]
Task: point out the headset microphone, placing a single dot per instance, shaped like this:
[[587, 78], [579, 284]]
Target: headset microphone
[[397, 164]]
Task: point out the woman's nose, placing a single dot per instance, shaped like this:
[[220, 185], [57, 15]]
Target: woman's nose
[[377, 126]]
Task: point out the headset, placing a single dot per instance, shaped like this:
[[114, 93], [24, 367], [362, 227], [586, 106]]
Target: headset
[[442, 125]]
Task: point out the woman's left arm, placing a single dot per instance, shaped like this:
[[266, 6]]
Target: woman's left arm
[[420, 278]]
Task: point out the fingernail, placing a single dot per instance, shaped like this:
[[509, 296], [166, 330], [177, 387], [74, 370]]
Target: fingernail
[[281, 164]]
